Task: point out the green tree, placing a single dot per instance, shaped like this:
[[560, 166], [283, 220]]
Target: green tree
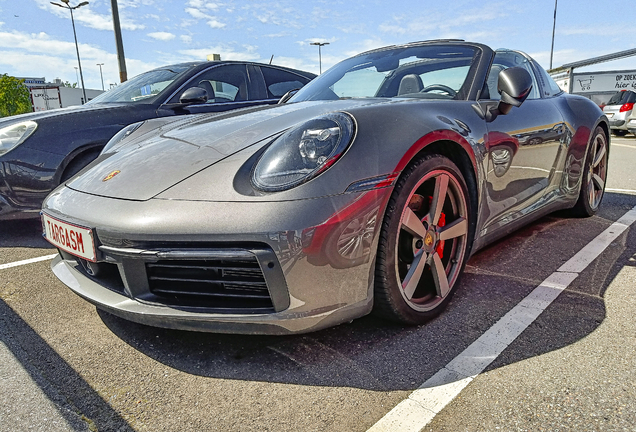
[[14, 96], [68, 84]]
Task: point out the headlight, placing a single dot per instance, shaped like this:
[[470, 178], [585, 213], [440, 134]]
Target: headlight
[[12, 136], [120, 136], [303, 152]]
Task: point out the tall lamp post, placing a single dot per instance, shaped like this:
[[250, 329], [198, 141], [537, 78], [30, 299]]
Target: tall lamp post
[[71, 8], [121, 58], [101, 74], [320, 44], [553, 28]]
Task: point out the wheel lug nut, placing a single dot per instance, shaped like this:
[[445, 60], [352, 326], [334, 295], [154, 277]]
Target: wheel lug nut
[[419, 244]]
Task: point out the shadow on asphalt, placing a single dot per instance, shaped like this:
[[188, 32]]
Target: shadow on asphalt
[[58, 381], [578, 311], [373, 354], [370, 353], [23, 233]]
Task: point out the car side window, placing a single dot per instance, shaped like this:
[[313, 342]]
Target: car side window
[[279, 82], [503, 60], [227, 83]]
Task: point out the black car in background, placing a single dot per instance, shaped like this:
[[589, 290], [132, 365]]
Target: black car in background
[[38, 151]]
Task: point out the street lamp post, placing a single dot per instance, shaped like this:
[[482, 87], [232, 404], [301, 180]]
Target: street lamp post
[[553, 28], [100, 74], [76, 75], [70, 8], [320, 44]]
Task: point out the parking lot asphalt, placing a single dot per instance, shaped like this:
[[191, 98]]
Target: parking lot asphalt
[[571, 369]]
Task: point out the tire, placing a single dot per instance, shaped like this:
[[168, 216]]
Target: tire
[[619, 132], [79, 162], [421, 253], [594, 176]]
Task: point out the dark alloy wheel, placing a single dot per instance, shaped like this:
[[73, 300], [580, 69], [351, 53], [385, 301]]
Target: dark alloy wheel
[[594, 176], [424, 241]]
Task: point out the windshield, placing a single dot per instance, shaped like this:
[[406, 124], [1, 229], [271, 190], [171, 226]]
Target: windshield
[[427, 72], [142, 88]]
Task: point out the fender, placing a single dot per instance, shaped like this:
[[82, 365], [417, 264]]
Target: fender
[[432, 137]]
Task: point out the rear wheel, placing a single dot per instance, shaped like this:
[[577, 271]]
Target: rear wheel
[[424, 242], [619, 132], [594, 176]]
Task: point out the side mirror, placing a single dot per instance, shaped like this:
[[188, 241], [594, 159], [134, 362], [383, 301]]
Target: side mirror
[[514, 85], [287, 96], [194, 95]]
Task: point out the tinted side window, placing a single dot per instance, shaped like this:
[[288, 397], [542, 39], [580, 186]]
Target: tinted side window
[[503, 60], [279, 82], [222, 83]]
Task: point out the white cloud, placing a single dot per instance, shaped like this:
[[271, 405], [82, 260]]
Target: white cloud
[[162, 36], [424, 25], [196, 13], [602, 31], [123, 4], [215, 23], [186, 38], [249, 53], [23, 53], [317, 40], [295, 63], [560, 57], [276, 35], [88, 17], [277, 17], [366, 45]]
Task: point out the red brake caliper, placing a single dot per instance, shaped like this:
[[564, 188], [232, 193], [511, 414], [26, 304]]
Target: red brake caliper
[[440, 223], [440, 245]]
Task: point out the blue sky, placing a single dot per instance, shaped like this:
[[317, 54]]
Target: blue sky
[[36, 38]]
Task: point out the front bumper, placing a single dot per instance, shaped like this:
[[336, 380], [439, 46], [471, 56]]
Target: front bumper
[[280, 323], [12, 211], [291, 241], [27, 176]]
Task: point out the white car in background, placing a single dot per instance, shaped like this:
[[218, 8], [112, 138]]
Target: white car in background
[[620, 111]]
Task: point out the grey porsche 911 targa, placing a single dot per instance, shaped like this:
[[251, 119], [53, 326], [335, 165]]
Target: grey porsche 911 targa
[[366, 191]]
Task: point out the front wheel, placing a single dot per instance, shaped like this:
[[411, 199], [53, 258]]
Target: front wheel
[[424, 241]]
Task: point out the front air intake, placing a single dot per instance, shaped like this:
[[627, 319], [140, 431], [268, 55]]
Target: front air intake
[[223, 283]]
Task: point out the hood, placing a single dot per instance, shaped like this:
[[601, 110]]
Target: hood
[[54, 113], [161, 158]]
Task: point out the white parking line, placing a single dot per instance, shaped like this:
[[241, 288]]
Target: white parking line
[[623, 145], [28, 261], [415, 412], [627, 191]]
